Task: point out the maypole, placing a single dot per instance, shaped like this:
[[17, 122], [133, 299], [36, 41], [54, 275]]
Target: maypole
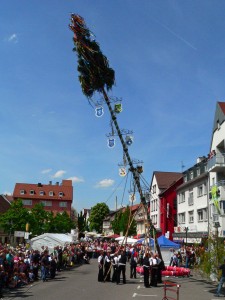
[[95, 75]]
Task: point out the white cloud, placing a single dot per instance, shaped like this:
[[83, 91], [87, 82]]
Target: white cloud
[[76, 179], [13, 38], [58, 174], [46, 171], [105, 183]]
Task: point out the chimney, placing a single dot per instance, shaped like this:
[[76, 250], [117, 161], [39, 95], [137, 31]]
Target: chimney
[[67, 182], [57, 183], [50, 182]]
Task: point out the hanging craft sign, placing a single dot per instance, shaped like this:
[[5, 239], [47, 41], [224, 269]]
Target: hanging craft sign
[[129, 140], [111, 142], [99, 112], [132, 198], [122, 172], [118, 108]]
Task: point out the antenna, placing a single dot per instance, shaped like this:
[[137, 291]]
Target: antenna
[[182, 166]]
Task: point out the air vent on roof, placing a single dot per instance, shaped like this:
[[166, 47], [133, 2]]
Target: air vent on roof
[[39, 184]]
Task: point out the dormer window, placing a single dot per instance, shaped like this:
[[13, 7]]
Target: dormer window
[[31, 192], [22, 192], [60, 194], [41, 193], [51, 193]]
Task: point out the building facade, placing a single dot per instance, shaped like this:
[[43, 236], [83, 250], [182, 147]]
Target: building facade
[[56, 198], [216, 169], [161, 181], [192, 204]]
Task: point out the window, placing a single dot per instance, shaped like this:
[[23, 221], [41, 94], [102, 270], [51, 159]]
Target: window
[[51, 193], [190, 198], [191, 175], [198, 171], [22, 192], [41, 193], [154, 188], [27, 202], [181, 197], [60, 194], [185, 178], [191, 216], [31, 192], [181, 218], [63, 204], [200, 190], [200, 215], [47, 203], [205, 188]]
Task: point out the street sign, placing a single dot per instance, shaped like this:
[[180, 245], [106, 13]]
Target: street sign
[[19, 233]]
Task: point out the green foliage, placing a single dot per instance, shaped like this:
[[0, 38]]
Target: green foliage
[[40, 221], [93, 66], [121, 221], [116, 223], [82, 223], [15, 218], [212, 257], [98, 213]]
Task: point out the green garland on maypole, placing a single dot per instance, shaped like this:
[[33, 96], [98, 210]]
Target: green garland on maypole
[[95, 75]]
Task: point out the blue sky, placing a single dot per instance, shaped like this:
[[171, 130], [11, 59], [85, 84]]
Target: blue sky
[[168, 58]]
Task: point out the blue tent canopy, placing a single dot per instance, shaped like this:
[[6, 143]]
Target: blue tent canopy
[[150, 241], [162, 241], [166, 243]]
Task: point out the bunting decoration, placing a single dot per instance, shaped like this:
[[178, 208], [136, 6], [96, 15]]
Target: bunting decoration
[[99, 111]]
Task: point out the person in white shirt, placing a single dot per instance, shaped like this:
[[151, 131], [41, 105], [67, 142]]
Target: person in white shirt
[[100, 267]]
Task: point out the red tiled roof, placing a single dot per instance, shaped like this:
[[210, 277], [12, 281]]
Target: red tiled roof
[[165, 179], [65, 188]]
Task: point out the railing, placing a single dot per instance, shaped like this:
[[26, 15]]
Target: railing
[[172, 287], [216, 160]]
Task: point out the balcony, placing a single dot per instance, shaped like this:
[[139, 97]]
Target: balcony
[[216, 163]]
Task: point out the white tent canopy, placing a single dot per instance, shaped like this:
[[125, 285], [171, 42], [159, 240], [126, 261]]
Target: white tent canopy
[[50, 240], [123, 239]]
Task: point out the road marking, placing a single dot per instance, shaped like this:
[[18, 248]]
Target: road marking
[[141, 295]]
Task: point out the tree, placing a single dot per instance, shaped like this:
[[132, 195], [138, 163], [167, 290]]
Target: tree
[[82, 223], [121, 222], [128, 220], [116, 223], [38, 219], [63, 223], [98, 213], [15, 218]]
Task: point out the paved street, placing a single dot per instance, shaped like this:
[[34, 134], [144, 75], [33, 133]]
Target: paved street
[[81, 282]]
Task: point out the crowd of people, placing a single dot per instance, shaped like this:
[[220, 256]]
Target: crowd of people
[[22, 265]]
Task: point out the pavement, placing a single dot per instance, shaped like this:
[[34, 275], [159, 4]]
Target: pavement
[[81, 283]]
